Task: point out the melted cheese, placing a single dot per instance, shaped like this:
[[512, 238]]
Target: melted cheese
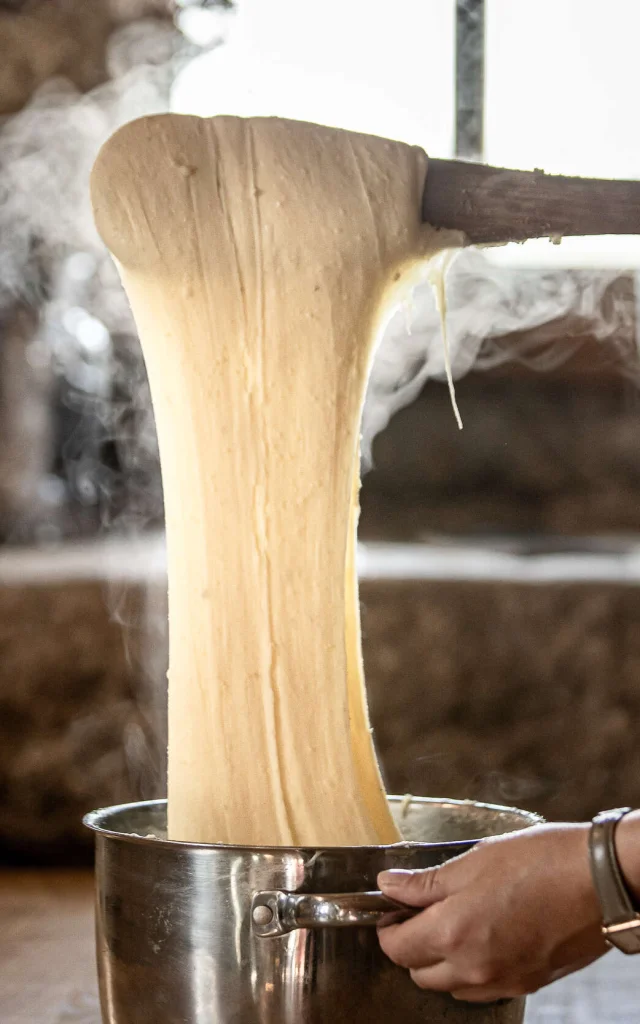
[[260, 257]]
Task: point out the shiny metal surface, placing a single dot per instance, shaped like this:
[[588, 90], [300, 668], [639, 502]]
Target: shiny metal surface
[[176, 927], [276, 912]]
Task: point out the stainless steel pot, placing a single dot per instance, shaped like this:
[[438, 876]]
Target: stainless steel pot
[[203, 934]]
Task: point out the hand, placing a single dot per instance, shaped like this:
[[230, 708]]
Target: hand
[[505, 919]]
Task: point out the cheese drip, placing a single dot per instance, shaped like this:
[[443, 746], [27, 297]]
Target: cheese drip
[[436, 275], [260, 257]]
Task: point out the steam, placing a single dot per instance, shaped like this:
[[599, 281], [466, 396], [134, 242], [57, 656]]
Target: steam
[[83, 342], [46, 154], [495, 314], [51, 258]]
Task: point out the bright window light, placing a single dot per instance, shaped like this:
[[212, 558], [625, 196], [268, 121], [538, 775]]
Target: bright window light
[[561, 94], [382, 68], [560, 86]]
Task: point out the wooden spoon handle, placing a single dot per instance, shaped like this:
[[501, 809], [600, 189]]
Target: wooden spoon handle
[[492, 204]]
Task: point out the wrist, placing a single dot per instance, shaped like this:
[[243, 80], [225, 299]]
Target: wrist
[[627, 842]]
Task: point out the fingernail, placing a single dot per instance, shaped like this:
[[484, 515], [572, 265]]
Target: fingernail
[[396, 878]]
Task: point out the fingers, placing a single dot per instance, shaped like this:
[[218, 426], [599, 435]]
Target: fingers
[[507, 988], [417, 888], [442, 977], [499, 922], [482, 995], [412, 943]]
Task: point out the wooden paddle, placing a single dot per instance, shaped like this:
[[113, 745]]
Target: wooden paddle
[[493, 204]]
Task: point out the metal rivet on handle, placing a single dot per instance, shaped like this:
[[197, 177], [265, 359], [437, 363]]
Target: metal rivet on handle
[[262, 915]]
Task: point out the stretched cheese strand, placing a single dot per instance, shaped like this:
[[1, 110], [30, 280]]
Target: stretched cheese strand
[[436, 275], [259, 256]]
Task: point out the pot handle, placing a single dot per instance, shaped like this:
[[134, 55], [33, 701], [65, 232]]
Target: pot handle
[[275, 912]]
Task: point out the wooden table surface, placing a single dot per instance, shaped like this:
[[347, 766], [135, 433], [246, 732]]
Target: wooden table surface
[[47, 969], [47, 973]]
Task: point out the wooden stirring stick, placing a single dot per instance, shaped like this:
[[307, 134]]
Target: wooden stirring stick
[[492, 204]]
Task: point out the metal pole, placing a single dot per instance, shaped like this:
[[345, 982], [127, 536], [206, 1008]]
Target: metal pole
[[470, 19]]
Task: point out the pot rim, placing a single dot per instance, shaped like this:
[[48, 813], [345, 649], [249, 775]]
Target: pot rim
[[93, 821]]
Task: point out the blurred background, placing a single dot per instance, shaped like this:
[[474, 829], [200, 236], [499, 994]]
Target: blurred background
[[500, 564]]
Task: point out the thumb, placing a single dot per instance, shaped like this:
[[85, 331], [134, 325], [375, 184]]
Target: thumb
[[417, 888]]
